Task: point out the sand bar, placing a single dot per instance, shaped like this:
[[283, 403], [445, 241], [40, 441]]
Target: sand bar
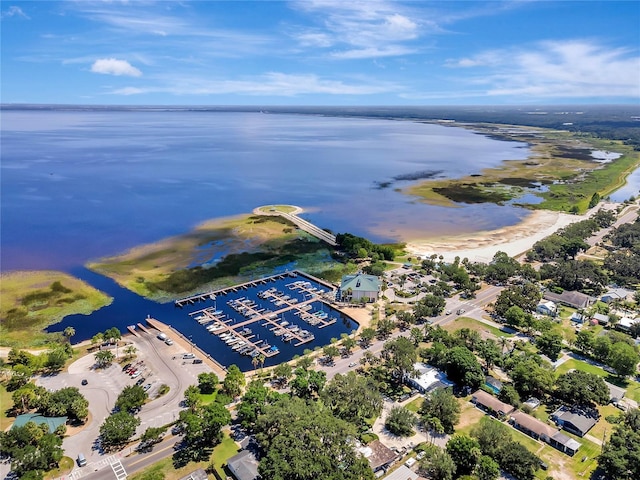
[[482, 246]]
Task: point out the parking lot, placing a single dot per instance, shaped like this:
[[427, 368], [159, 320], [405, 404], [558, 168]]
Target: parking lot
[[155, 362]]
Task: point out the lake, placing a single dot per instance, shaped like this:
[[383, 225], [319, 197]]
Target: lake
[[79, 185]]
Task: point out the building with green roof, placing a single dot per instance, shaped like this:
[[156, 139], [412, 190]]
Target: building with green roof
[[358, 287], [37, 418]]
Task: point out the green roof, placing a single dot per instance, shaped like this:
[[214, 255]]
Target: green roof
[[52, 422], [360, 283]]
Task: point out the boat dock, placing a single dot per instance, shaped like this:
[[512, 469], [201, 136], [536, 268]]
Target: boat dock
[[201, 297]]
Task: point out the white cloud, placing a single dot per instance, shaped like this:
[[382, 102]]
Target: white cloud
[[363, 29], [571, 69], [14, 11], [113, 66], [271, 83]]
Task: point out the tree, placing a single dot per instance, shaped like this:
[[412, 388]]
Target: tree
[[492, 436], [619, 457], [487, 468], [347, 344], [623, 358], [151, 436], [463, 368], [428, 306], [234, 381], [192, 397], [112, 334], [352, 398], [515, 316], [302, 440], [400, 421], [531, 376], [131, 398], [207, 382], [417, 336], [465, 453], [32, 449], [585, 341], [69, 332], [130, 351], [524, 296], [581, 388], [117, 429], [307, 383], [437, 465], [550, 344], [283, 373], [399, 356], [442, 405], [366, 336], [385, 327], [67, 401], [509, 395], [254, 401], [330, 352], [489, 352], [104, 358]]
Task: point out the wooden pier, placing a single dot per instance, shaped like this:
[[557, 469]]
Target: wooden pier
[[201, 297]]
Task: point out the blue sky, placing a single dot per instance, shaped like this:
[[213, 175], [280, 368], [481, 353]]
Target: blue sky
[[320, 52]]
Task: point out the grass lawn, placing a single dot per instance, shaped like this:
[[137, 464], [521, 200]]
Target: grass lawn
[[473, 324], [415, 404], [65, 467], [603, 427], [221, 453], [6, 402]]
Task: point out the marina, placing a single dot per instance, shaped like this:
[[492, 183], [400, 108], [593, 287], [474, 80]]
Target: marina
[[251, 318]]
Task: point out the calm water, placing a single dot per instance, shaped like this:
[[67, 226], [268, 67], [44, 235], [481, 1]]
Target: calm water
[[80, 185]]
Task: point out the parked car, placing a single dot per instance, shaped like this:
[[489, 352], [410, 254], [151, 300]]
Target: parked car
[[197, 360], [126, 367], [188, 355], [147, 387], [460, 311], [137, 374], [84, 381], [140, 381], [352, 364]]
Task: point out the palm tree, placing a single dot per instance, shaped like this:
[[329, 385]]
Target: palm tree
[[255, 361], [503, 341], [68, 333], [261, 359]]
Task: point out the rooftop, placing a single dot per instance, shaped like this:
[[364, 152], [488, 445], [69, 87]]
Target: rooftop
[[533, 424], [571, 298], [429, 377], [581, 419], [378, 454], [243, 466], [360, 282], [488, 400], [402, 473]]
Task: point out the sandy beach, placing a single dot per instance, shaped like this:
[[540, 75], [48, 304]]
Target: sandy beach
[[482, 246]]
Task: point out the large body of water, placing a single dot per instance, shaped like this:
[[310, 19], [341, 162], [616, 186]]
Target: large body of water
[[78, 185]]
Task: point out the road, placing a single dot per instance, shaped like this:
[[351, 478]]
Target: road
[[629, 214]]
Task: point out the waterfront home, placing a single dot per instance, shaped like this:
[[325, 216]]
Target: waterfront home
[[490, 404], [427, 379], [575, 420], [547, 308], [358, 287], [569, 298], [541, 431]]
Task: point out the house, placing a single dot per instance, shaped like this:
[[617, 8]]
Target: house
[[243, 466], [198, 474], [616, 295], [569, 298], [491, 404], [577, 317], [600, 318], [575, 420], [625, 323], [546, 433], [615, 393], [379, 456], [358, 287], [428, 378], [402, 473], [547, 308]]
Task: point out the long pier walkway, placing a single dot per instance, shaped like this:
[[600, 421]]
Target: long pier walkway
[[300, 222]]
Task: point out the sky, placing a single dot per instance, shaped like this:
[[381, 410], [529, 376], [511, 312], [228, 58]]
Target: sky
[[320, 52]]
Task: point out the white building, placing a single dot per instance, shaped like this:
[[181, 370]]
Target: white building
[[428, 378]]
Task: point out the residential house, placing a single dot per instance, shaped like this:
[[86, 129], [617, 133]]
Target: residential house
[[616, 295], [569, 298], [379, 456], [243, 466], [600, 319], [198, 474], [577, 318], [428, 378], [532, 403], [575, 420], [491, 404], [546, 433], [359, 286], [625, 323], [547, 308], [615, 393], [402, 473]]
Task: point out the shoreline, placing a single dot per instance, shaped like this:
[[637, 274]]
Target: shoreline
[[514, 240]]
